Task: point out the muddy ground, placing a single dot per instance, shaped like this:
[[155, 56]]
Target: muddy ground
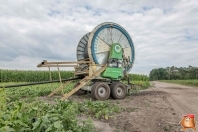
[[157, 109]]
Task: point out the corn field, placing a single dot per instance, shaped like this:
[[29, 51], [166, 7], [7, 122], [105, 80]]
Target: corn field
[[31, 76], [138, 77], [36, 76]]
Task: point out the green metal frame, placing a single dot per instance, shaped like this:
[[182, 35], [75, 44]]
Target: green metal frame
[[115, 54]]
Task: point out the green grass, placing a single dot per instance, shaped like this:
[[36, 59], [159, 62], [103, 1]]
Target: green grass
[[183, 82], [143, 84], [138, 86]]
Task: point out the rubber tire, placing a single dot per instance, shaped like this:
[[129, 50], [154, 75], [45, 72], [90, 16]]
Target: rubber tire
[[114, 87], [95, 88]]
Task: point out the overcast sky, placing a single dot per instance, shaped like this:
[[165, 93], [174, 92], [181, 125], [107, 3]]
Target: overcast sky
[[164, 32]]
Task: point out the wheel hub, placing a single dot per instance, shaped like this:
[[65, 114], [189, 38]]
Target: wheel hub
[[102, 91], [119, 91]]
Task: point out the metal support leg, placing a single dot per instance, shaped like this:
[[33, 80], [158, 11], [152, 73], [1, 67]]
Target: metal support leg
[[58, 89], [60, 78]]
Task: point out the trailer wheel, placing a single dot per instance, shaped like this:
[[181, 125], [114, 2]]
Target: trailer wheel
[[100, 91], [118, 90]]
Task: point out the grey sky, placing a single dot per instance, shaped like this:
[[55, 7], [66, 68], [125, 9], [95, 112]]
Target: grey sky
[[165, 33]]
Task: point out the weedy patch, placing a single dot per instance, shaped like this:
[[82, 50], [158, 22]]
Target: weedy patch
[[98, 109]]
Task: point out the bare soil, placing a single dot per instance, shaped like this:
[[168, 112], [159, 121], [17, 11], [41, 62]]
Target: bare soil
[[157, 109]]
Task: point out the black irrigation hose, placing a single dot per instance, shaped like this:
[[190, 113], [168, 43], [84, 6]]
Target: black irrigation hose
[[36, 83]]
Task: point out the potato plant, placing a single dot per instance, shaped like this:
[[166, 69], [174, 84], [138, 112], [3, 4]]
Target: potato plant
[[39, 116]]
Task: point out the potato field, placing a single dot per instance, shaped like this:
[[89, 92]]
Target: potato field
[[28, 109]]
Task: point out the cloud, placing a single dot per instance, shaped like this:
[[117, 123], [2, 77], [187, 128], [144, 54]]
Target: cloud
[[164, 33]]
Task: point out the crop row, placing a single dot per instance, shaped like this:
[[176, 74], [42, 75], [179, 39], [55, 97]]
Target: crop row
[[31, 76], [36, 76], [39, 116], [138, 77]]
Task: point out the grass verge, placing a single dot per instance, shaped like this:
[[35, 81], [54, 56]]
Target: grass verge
[[183, 82], [143, 84]]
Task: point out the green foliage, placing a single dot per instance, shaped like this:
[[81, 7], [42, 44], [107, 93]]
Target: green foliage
[[39, 117], [98, 109], [34, 91], [143, 84], [31, 76], [20, 112], [184, 82], [137, 77], [36, 76], [174, 73], [2, 100]]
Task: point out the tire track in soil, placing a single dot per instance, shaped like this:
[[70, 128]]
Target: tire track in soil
[[183, 99]]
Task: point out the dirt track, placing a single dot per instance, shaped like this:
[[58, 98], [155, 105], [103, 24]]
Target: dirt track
[[183, 99], [157, 109]]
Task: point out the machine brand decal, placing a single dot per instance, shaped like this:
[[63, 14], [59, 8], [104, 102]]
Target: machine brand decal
[[117, 48]]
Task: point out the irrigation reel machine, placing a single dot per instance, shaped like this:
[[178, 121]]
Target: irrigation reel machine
[[104, 57]]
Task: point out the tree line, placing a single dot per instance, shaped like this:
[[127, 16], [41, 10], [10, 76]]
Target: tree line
[[174, 73]]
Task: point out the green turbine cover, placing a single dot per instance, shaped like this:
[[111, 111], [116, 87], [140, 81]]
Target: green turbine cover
[[115, 51], [112, 73]]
